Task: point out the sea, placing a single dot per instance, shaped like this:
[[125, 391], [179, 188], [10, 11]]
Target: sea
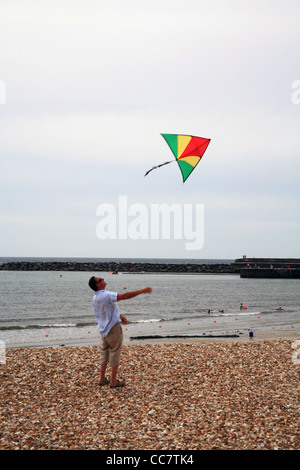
[[49, 308]]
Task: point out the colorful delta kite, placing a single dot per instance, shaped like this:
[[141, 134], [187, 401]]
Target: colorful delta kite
[[188, 151]]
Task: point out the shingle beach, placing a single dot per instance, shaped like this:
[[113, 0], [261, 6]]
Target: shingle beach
[[178, 396]]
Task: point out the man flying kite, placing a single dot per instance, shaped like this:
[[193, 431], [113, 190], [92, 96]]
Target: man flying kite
[[188, 151]]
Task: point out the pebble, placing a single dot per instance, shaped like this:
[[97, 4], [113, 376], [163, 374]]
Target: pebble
[[186, 396]]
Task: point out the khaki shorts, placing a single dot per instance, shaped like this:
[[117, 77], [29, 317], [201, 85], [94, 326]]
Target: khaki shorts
[[111, 345]]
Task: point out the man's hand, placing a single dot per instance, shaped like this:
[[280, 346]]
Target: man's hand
[[123, 320], [147, 290]]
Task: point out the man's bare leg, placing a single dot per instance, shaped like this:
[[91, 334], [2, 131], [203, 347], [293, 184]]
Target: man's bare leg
[[113, 378], [102, 373], [114, 382]]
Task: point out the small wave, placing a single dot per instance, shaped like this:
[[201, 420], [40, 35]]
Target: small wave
[[41, 326], [151, 320], [239, 314], [169, 319]]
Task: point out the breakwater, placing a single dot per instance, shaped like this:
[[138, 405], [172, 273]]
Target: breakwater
[[270, 273], [267, 268], [275, 268], [270, 263], [115, 267]]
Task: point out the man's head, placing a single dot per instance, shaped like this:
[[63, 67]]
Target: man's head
[[97, 283]]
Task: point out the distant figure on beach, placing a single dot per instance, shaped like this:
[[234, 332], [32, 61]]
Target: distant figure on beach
[[109, 325]]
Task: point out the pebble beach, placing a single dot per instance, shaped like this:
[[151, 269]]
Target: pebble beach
[[178, 396]]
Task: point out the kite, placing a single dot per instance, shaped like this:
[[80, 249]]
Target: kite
[[188, 151]]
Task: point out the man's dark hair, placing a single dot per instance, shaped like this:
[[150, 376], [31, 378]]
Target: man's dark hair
[[93, 283]]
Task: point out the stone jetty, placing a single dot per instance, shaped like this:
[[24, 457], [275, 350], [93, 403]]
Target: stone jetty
[[281, 268], [267, 268], [114, 267]]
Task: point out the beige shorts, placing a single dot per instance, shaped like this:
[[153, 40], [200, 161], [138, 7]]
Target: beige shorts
[[111, 346]]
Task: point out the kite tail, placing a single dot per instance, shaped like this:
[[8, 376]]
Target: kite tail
[[158, 166]]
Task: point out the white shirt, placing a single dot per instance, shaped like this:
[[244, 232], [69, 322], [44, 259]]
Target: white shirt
[[106, 311]]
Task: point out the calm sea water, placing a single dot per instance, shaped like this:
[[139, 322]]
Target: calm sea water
[[40, 308]]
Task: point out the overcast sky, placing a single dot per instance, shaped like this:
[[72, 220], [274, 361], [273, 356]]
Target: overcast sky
[[87, 87]]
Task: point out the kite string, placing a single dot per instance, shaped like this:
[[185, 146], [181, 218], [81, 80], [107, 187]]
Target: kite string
[[158, 166]]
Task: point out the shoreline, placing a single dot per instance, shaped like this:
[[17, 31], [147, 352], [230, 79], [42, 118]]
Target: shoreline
[[291, 334]]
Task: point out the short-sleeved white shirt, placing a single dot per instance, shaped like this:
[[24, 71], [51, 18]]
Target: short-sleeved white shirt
[[106, 310]]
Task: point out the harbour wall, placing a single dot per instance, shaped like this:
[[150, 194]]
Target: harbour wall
[[116, 267], [267, 268], [275, 268]]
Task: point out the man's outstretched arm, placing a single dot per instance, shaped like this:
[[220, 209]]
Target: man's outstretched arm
[[129, 295]]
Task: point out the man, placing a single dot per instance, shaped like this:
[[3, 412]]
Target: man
[[109, 325]]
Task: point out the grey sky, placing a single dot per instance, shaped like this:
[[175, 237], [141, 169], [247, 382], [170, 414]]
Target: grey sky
[[91, 85]]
